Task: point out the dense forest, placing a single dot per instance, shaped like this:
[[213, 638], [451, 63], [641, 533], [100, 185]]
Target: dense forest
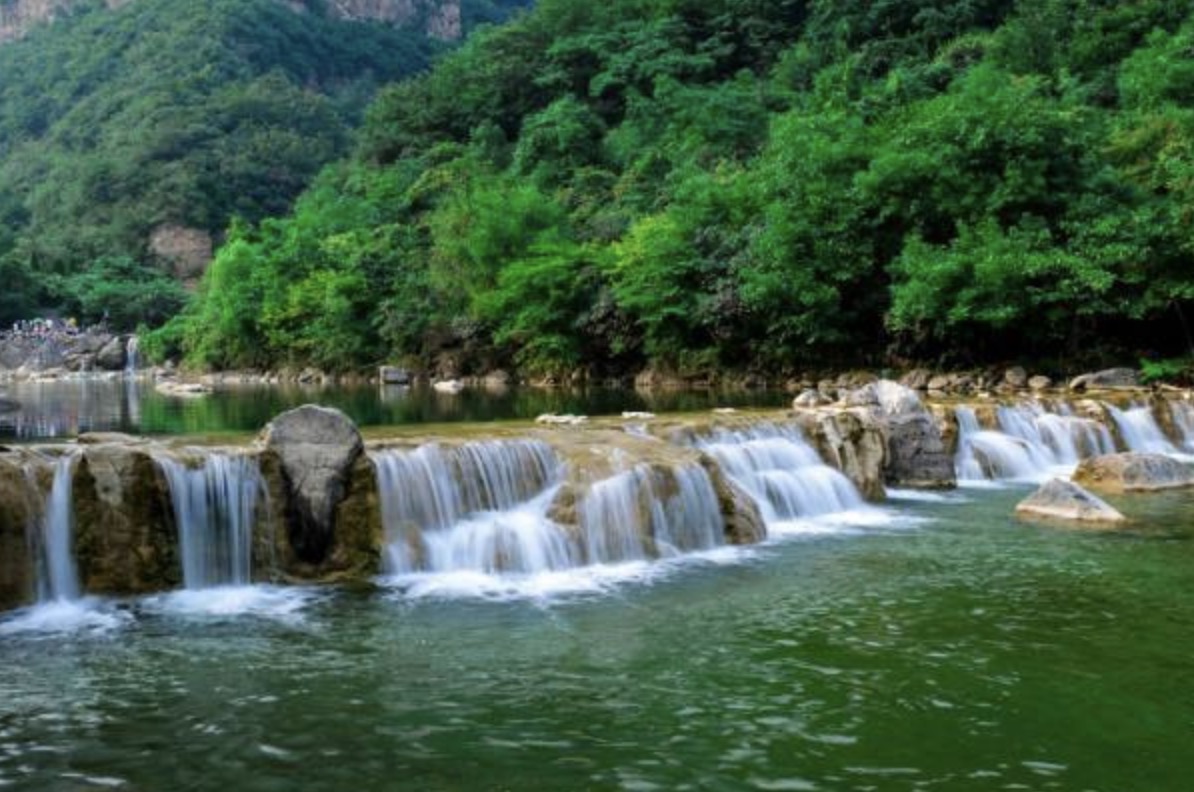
[[173, 113], [742, 184]]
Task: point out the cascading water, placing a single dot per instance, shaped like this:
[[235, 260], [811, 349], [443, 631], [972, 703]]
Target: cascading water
[[1182, 413], [1055, 439], [214, 506], [58, 578], [988, 454], [643, 513], [1138, 427], [479, 507], [483, 508], [782, 473], [132, 354]]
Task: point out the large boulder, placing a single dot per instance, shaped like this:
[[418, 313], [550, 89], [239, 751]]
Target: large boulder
[[1064, 500], [18, 513], [1133, 472], [851, 441], [308, 456], [126, 541], [113, 355], [1108, 379], [916, 453]]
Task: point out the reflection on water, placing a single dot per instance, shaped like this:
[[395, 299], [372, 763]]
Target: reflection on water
[[64, 409]]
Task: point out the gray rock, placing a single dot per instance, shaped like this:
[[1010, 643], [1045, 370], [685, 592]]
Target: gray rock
[[896, 399], [392, 375], [315, 448], [916, 453], [1040, 383], [1106, 379], [917, 379], [1016, 376], [1064, 500], [942, 382], [1133, 472], [866, 396], [112, 356], [810, 398]]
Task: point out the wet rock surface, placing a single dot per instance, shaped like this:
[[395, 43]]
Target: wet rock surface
[[1133, 472], [1066, 501], [311, 452]]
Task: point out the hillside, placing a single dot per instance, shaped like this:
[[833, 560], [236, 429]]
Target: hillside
[[131, 133], [744, 185]]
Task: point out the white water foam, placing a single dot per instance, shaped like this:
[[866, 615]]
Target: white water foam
[[64, 617], [283, 603]]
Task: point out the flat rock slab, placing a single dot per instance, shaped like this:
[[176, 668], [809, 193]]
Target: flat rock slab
[[1064, 500], [1133, 472]]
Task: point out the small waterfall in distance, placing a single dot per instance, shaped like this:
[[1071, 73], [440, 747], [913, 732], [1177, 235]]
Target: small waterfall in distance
[[132, 351], [58, 578], [214, 507], [782, 473]]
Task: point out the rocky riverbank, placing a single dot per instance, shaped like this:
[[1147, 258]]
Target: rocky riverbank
[[59, 353], [317, 502]]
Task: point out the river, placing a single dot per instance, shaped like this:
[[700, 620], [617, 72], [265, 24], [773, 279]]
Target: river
[[942, 645]]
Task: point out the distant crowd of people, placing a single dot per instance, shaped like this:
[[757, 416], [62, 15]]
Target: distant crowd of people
[[43, 328]]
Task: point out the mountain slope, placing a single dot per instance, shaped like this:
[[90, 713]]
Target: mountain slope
[[140, 128]]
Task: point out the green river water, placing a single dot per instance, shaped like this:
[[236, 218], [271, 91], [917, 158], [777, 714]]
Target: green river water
[[946, 646]]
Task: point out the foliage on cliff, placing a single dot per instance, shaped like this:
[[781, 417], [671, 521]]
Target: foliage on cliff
[[113, 122], [735, 183]]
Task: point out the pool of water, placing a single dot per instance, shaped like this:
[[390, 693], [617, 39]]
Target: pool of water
[[67, 408], [947, 647]]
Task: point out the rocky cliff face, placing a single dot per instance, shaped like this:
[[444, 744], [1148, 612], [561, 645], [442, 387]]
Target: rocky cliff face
[[441, 19]]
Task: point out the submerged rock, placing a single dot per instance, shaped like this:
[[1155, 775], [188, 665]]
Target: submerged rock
[[1133, 472], [308, 455], [1064, 500]]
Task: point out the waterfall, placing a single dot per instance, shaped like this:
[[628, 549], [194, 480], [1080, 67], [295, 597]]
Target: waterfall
[[644, 512], [132, 348], [1055, 439], [1030, 444], [1183, 418], [479, 507], [214, 507], [1138, 427], [987, 454], [483, 507], [782, 473], [58, 580]]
